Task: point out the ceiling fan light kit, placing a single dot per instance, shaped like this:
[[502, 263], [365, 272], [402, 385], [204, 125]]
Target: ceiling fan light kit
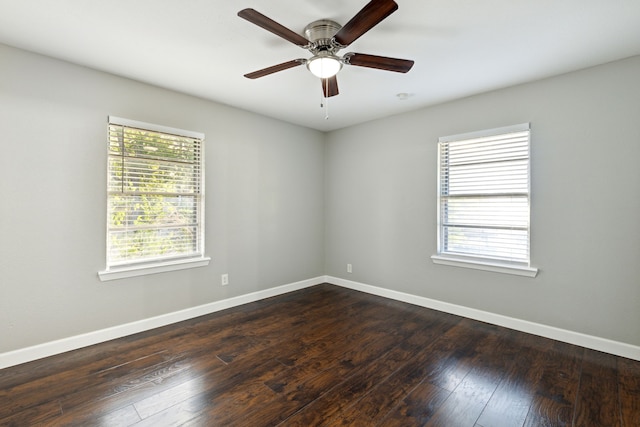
[[324, 38], [324, 65]]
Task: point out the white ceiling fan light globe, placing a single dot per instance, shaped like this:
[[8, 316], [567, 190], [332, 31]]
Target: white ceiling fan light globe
[[324, 66]]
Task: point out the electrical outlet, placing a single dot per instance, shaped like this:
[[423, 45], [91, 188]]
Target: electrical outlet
[[225, 279], [349, 268]]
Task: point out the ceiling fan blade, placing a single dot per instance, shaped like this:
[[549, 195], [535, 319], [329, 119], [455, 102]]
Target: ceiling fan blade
[[370, 16], [330, 87], [379, 62], [269, 24], [275, 69]]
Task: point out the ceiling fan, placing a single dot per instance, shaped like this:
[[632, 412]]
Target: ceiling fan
[[324, 38]]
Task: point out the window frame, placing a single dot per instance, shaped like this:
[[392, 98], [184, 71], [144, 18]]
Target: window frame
[[487, 263], [139, 267]]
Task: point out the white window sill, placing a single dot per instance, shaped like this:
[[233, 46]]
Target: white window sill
[[497, 267], [152, 268]]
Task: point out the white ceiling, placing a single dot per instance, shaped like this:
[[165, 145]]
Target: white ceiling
[[201, 47]]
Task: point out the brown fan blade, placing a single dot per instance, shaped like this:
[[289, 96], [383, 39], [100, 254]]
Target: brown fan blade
[[330, 87], [379, 62], [269, 24], [370, 16], [274, 69]]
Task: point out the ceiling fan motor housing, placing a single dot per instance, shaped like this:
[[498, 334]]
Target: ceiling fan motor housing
[[320, 33]]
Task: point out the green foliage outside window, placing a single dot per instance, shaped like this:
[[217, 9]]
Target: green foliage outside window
[[154, 195]]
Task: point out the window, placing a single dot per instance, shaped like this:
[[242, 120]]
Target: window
[[155, 199], [483, 203]]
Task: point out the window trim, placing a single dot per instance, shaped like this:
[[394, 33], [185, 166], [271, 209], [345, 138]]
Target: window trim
[[140, 268], [473, 262], [123, 272], [484, 264]]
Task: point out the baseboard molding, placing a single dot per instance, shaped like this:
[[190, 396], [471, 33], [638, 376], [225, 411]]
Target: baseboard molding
[[40, 351], [595, 343]]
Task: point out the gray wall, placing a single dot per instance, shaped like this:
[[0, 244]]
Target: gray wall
[[264, 206], [585, 217], [285, 203]]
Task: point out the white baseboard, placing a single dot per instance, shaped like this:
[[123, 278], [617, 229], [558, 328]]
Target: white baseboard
[[595, 343], [40, 351]]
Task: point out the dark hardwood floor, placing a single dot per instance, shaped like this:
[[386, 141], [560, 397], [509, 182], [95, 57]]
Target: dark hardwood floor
[[325, 356]]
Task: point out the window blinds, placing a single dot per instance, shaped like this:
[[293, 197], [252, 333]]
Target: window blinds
[[154, 193], [484, 195]]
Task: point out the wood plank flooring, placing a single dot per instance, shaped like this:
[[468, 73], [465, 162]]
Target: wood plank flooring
[[325, 356]]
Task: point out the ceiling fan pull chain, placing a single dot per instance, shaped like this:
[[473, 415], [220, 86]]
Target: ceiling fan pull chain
[[324, 99], [326, 108]]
